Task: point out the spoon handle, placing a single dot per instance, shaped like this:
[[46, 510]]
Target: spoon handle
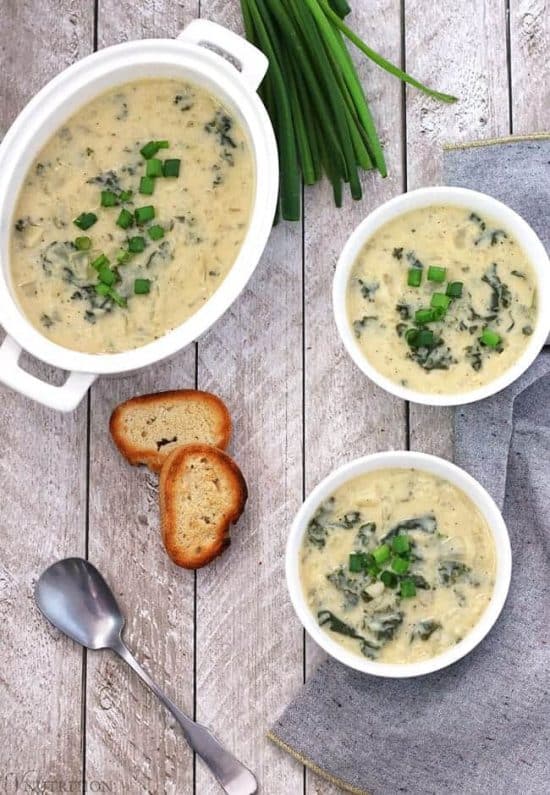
[[234, 777]]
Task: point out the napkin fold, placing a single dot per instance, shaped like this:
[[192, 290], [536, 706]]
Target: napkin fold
[[481, 725]]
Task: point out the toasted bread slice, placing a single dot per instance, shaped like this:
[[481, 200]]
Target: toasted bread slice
[[202, 492], [146, 429]]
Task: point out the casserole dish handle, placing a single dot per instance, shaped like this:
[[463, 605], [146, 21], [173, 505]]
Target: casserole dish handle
[[63, 398], [253, 63]]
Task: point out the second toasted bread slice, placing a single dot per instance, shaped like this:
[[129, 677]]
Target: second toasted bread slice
[[146, 429], [202, 492]]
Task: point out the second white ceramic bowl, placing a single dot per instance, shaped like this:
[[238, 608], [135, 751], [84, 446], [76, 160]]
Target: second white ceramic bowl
[[391, 460], [479, 203]]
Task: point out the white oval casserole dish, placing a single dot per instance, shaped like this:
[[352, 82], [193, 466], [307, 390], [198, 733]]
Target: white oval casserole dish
[[459, 197], [400, 459], [188, 57]]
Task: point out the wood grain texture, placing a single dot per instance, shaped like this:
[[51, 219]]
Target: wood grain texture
[[130, 738], [249, 645], [42, 479], [458, 48], [530, 69]]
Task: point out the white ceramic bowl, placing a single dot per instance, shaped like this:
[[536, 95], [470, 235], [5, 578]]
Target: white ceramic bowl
[[184, 58], [484, 205], [391, 460]]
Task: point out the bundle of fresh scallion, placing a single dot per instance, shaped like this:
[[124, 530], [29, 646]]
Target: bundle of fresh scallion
[[319, 111]]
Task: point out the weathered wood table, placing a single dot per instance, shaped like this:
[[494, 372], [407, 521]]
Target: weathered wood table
[[224, 642]]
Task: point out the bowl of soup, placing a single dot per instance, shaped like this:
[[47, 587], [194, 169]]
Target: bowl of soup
[[398, 564], [442, 296], [139, 189]]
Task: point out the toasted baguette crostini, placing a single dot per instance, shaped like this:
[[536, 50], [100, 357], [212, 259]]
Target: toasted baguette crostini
[[202, 492], [147, 428]]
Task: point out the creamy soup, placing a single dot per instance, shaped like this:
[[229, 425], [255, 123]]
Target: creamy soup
[[442, 300], [398, 565], [131, 216]]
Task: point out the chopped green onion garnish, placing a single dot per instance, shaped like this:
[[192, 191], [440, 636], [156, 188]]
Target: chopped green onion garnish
[[146, 186], [154, 167], [100, 262], [142, 286], [424, 316], [389, 579], [171, 168], [107, 276], [356, 562], [144, 214], [83, 243], [414, 277], [108, 198], [125, 195], [85, 220], [102, 289], [440, 301], [123, 256], [125, 219], [117, 297], [400, 565], [155, 232], [136, 244], [436, 274], [408, 588], [490, 338], [401, 544], [454, 289], [381, 554], [425, 338], [150, 149], [411, 336]]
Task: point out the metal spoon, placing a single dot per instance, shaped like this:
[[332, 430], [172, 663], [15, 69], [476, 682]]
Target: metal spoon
[[73, 595]]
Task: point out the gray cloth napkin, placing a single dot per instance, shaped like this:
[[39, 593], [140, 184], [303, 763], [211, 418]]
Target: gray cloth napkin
[[482, 725]]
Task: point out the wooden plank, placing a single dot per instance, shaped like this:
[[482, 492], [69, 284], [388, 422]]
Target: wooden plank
[[249, 646], [445, 50], [131, 740], [42, 475], [530, 75], [347, 416]]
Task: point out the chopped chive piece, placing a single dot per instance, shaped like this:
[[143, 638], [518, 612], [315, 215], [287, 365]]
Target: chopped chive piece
[[125, 219], [108, 198], [147, 185], [155, 232], [373, 571], [123, 256], [381, 554], [142, 286], [424, 316], [100, 262], [425, 339], [411, 336], [356, 562], [400, 565], [401, 544], [490, 338], [414, 277], [83, 243], [171, 168], [136, 244], [125, 195], [440, 301], [150, 149], [439, 312], [436, 274], [154, 167], [389, 579], [85, 220], [102, 289], [107, 276], [408, 588], [144, 214], [454, 289], [117, 297]]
